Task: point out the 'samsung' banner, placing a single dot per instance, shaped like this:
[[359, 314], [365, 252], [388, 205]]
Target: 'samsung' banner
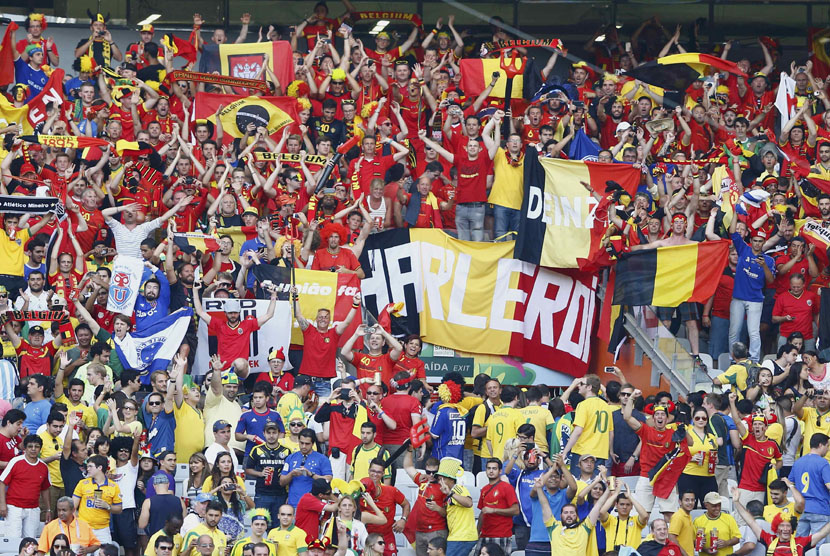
[[477, 298], [275, 333]]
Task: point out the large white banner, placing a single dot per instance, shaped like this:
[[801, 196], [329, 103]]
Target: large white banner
[[124, 284], [276, 334]]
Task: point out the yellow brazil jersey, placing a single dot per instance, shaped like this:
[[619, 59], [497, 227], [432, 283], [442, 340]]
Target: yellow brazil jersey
[[480, 419], [568, 542], [362, 457], [290, 407], [188, 419], [594, 416], [290, 542], [814, 422], [726, 526], [290, 444], [240, 544], [461, 521], [508, 190], [87, 492], [735, 376], [542, 420], [220, 540], [681, 526], [177, 544], [11, 251], [620, 531], [771, 510], [501, 427], [706, 445], [88, 415], [52, 445]]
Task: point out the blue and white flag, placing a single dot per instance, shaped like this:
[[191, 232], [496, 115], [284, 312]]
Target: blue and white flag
[[153, 348], [124, 284], [754, 198], [582, 148]]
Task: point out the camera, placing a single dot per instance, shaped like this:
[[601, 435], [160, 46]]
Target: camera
[[818, 392], [229, 486], [345, 394], [189, 180]]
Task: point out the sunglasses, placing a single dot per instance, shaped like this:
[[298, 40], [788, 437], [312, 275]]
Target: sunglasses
[[701, 418], [431, 471], [295, 424], [373, 393], [381, 542], [153, 403]]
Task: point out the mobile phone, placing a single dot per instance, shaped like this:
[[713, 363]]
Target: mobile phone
[[608, 370], [229, 486]]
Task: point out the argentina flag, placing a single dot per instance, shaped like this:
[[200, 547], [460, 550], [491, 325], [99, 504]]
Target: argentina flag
[[153, 348]]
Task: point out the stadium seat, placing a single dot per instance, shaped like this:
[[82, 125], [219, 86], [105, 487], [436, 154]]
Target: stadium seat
[[481, 479], [182, 471], [405, 551], [250, 488], [724, 360], [824, 550], [468, 480], [402, 479], [9, 544], [630, 481], [769, 357], [518, 553], [697, 513], [707, 360]]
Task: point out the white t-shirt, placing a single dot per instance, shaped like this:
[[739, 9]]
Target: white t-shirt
[[215, 449], [191, 520], [125, 477]]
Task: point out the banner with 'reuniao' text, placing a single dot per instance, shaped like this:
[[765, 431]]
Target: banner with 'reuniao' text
[[477, 298]]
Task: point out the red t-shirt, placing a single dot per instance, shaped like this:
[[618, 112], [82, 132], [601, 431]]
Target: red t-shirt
[[319, 352], [499, 496], [24, 481], [35, 360], [103, 317], [400, 407], [95, 224], [782, 281], [8, 447], [783, 548], [412, 365], [803, 308], [366, 170], [232, 341], [758, 454], [388, 498], [309, 515], [656, 444], [325, 260], [429, 520], [472, 177], [367, 365], [284, 381], [723, 294]]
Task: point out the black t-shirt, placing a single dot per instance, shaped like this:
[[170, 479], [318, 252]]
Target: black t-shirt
[[72, 473], [335, 130], [260, 457]]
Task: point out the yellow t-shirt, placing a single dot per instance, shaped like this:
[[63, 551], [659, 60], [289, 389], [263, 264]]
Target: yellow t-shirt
[[468, 403], [290, 444], [52, 445], [239, 545], [85, 492], [594, 416], [568, 542], [220, 540], [501, 427], [11, 251], [706, 444], [626, 532], [151, 544], [479, 420], [219, 407], [290, 542], [461, 521], [735, 376], [809, 418], [508, 185], [207, 486], [89, 416], [681, 526], [771, 510], [727, 529], [362, 457], [542, 420], [188, 419], [290, 407]]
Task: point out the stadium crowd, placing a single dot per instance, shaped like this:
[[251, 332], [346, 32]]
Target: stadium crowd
[[352, 451]]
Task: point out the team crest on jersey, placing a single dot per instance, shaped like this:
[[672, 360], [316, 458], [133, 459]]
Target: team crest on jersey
[[326, 340], [239, 331], [809, 303]]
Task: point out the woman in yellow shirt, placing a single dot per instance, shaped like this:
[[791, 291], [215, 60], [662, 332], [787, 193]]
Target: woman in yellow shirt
[[699, 474], [189, 417]]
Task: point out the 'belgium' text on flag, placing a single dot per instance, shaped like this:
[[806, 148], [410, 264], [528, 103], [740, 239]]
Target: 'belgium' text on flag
[[669, 276], [562, 223]]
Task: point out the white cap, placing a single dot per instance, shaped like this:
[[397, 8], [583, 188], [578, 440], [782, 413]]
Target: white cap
[[622, 126]]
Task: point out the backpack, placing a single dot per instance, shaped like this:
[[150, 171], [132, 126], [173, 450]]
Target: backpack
[[471, 415], [753, 369]]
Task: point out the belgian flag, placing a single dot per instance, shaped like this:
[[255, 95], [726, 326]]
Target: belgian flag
[[476, 75], [678, 71], [669, 276], [272, 113]]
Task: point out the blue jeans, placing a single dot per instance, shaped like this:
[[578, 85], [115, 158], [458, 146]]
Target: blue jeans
[[469, 223], [506, 220], [719, 337], [460, 548], [271, 503], [810, 523], [751, 310]]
